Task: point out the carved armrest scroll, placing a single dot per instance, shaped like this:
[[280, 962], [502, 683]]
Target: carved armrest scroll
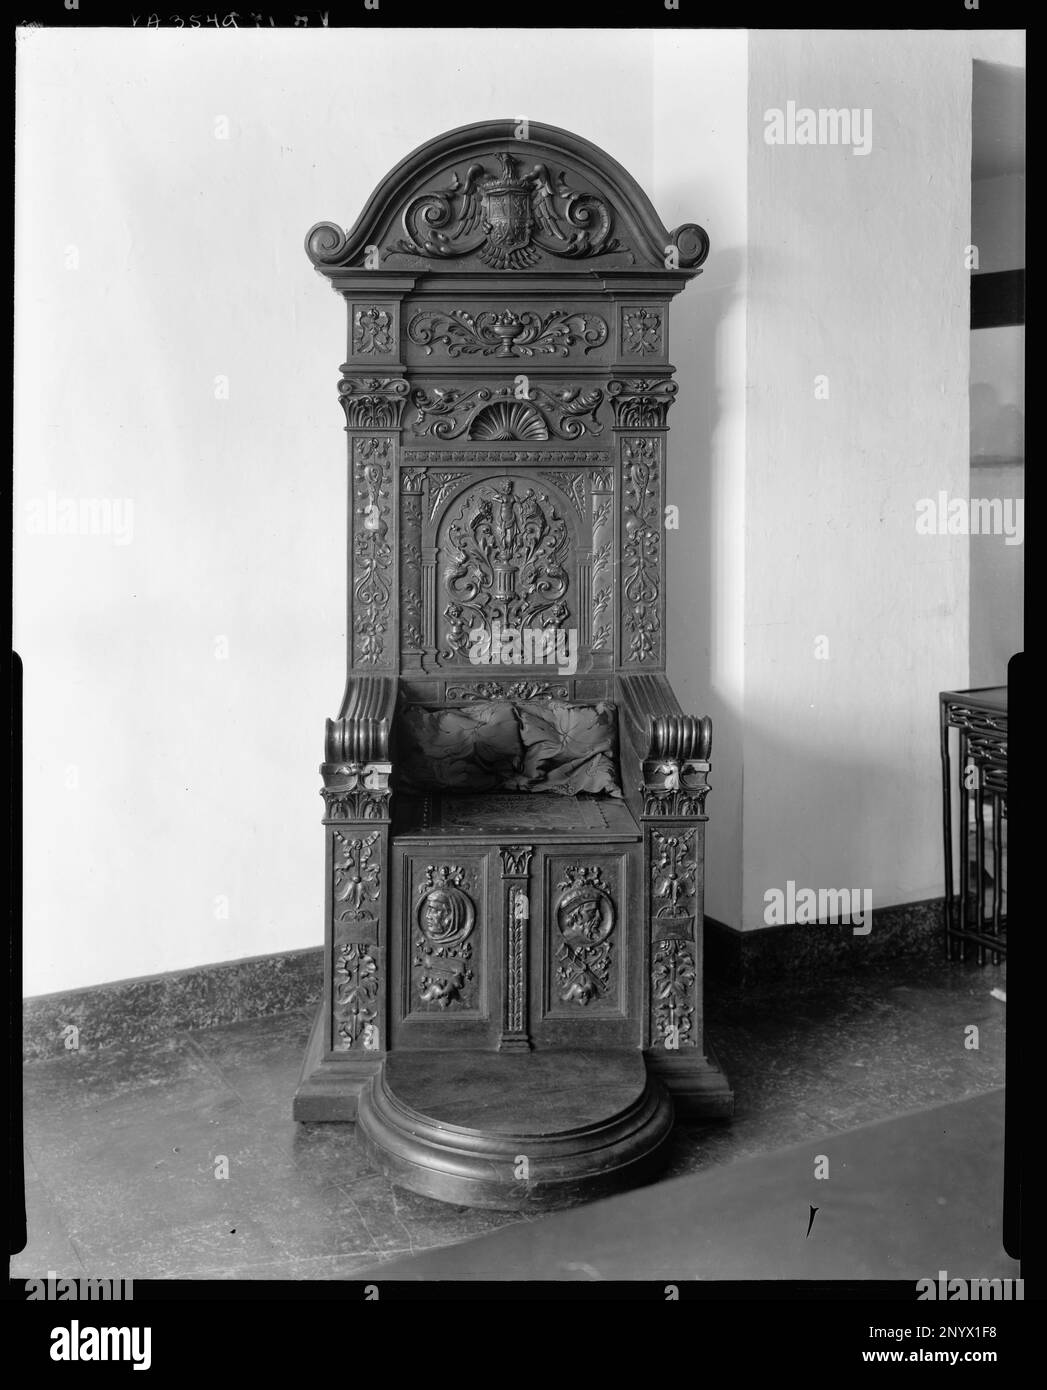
[[356, 769], [672, 748]]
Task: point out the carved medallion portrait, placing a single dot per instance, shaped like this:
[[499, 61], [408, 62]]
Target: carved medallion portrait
[[443, 953], [585, 916], [446, 915]]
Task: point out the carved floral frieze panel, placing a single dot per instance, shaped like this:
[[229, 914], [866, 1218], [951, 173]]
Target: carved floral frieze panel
[[506, 332], [507, 690], [595, 458]]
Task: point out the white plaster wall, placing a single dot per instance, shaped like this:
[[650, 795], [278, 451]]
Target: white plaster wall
[[856, 272], [699, 164], [159, 779]]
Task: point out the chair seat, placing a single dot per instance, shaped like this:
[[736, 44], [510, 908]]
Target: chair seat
[[495, 815]]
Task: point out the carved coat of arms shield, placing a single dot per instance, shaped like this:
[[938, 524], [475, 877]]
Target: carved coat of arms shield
[[507, 217]]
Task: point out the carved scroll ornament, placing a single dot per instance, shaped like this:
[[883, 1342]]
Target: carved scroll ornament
[[501, 414], [508, 218]]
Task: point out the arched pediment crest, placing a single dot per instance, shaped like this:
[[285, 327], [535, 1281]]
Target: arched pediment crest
[[481, 199]]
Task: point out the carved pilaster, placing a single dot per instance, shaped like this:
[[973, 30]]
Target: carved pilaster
[[372, 570], [674, 870], [516, 912], [642, 550], [357, 897]]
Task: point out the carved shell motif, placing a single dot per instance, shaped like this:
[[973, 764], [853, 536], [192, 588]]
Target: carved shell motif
[[508, 420]]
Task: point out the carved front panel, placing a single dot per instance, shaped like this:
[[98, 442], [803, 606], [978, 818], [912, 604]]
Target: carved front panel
[[447, 956], [446, 945], [586, 948]]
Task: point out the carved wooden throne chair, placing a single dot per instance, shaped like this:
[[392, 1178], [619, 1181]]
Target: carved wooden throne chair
[[514, 802]]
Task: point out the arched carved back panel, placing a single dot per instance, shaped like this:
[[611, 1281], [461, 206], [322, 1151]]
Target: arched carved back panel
[[506, 393]]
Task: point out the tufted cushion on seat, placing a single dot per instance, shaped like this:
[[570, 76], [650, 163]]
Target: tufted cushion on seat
[[534, 746], [568, 749], [464, 748]]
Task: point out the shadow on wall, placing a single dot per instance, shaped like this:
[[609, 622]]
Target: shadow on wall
[[706, 556]]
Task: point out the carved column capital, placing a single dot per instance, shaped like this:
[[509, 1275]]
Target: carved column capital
[[372, 403], [641, 403], [516, 860], [356, 791], [675, 787]]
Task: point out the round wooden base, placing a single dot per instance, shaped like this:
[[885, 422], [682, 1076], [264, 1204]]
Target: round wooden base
[[515, 1132]]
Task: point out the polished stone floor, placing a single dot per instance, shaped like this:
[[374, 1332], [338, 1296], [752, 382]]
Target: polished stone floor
[[125, 1149]]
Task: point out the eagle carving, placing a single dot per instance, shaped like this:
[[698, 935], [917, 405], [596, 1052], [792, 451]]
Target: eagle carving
[[508, 220]]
